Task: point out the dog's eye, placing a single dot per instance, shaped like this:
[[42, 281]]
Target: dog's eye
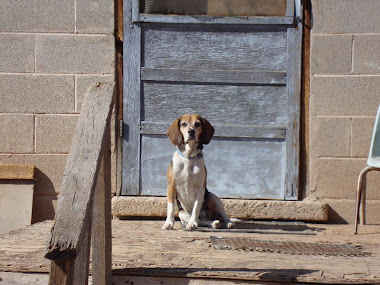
[[197, 124], [183, 124]]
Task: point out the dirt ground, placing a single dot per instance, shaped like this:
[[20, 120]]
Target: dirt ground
[[142, 251]]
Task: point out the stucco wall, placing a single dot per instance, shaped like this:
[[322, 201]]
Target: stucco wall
[[344, 96], [51, 51]]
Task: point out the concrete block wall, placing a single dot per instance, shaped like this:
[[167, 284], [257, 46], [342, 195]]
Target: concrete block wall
[[344, 97], [51, 51]]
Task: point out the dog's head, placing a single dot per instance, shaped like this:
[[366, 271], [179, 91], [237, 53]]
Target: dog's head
[[190, 128]]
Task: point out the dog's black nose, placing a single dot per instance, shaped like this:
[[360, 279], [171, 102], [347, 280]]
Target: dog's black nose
[[191, 132]]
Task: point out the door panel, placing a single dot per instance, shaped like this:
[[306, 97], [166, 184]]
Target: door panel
[[217, 49], [222, 104], [237, 168], [244, 78]]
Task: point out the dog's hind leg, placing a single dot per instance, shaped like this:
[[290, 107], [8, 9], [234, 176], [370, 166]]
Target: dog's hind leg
[[184, 217], [219, 209], [209, 223]]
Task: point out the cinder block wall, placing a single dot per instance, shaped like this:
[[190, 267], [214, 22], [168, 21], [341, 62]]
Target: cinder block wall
[[344, 96], [51, 51]]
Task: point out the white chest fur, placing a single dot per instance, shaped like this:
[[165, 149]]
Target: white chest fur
[[189, 175]]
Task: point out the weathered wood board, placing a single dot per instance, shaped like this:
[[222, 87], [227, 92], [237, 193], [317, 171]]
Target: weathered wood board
[[244, 78], [141, 248], [236, 172], [236, 105], [215, 49]]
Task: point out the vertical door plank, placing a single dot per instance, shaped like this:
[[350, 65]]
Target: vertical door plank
[[131, 110], [294, 99]]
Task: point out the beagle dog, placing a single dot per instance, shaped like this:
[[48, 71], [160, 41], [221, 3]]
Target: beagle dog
[[187, 177]]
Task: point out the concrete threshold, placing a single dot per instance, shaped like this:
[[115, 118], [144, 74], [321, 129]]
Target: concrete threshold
[[144, 206]]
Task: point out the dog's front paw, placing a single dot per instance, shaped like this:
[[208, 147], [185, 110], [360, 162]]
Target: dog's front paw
[[168, 225], [192, 225], [230, 225]]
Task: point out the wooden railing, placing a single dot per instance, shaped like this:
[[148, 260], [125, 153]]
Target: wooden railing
[[84, 204]]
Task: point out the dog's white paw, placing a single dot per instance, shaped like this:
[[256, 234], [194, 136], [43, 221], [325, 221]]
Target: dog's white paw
[[192, 225], [168, 225], [230, 225], [215, 224]]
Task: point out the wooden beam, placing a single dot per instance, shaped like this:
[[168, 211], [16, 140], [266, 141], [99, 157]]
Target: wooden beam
[[230, 131], [213, 76], [151, 18], [75, 200], [17, 172], [305, 94], [131, 108], [293, 110], [101, 220]]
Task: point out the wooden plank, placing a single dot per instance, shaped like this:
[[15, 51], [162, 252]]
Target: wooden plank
[[17, 172], [236, 168], [226, 131], [82, 260], [74, 206], [293, 110], [74, 271], [305, 98], [119, 21], [186, 255], [60, 272], [298, 10], [101, 220], [131, 109], [197, 48], [224, 104], [290, 8], [213, 76], [135, 10], [210, 20]]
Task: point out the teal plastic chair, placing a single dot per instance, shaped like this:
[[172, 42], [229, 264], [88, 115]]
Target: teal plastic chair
[[373, 163]]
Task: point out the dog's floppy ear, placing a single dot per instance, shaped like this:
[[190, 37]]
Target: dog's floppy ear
[[174, 134], [207, 132]]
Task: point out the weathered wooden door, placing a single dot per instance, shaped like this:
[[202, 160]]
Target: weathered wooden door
[[241, 73]]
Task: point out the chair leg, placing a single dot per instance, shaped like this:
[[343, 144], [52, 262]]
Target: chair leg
[[360, 194], [363, 203]]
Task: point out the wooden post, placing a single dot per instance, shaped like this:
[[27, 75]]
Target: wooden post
[[69, 245], [75, 270], [101, 223]]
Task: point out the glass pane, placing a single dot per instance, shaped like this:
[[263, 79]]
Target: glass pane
[[269, 8]]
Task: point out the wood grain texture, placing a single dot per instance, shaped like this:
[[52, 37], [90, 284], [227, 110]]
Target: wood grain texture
[[290, 8], [293, 111], [224, 131], [17, 172], [74, 205], [60, 272], [241, 20], [235, 75], [236, 168], [101, 220], [187, 254], [131, 110], [213, 76], [216, 50], [256, 105], [305, 100]]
